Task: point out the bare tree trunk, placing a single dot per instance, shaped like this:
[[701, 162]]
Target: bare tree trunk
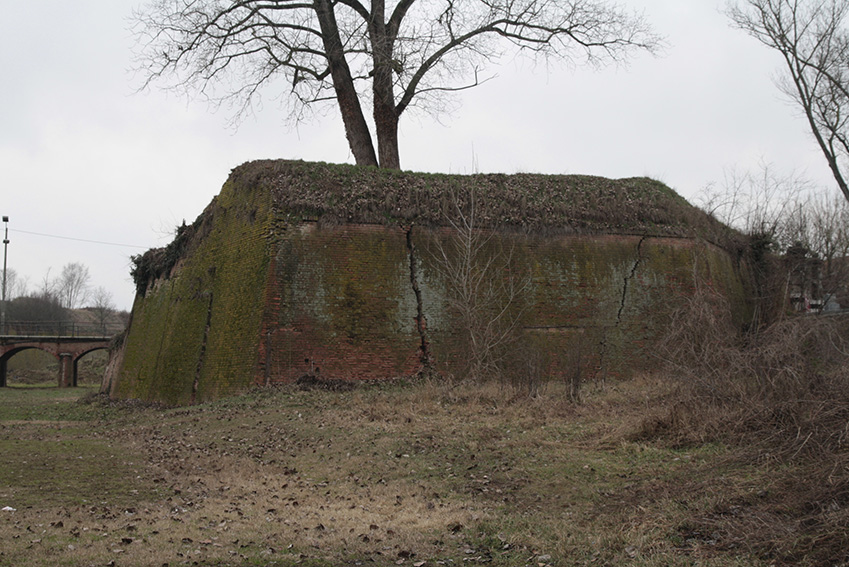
[[387, 135], [356, 128], [806, 96], [811, 37], [385, 111]]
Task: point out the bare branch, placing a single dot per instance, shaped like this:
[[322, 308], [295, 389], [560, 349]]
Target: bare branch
[[813, 40], [392, 54]]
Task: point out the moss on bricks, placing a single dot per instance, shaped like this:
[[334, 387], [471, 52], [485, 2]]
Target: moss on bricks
[[195, 335], [306, 268]]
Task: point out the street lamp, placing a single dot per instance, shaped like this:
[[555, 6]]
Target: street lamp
[[5, 253]]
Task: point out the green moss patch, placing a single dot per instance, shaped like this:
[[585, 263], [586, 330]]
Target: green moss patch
[[196, 336]]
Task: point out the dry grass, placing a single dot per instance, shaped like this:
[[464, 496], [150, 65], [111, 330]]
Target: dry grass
[[427, 473], [780, 398]]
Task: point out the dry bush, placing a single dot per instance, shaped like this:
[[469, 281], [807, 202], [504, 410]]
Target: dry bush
[[791, 379], [781, 396], [701, 344], [527, 368], [485, 289]]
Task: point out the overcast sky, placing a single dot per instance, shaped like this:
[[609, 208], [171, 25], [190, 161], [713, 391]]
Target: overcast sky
[[82, 156]]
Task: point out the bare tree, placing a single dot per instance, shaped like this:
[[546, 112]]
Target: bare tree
[[820, 225], [16, 286], [102, 306], [72, 286], [485, 289], [813, 40], [49, 287], [785, 213], [786, 209], [393, 56], [757, 204], [829, 229]]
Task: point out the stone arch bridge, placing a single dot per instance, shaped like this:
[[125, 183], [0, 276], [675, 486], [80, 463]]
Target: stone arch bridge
[[68, 346]]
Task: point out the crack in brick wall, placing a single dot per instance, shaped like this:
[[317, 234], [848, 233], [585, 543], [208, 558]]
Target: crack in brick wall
[[202, 355], [627, 279], [363, 301], [604, 363], [421, 320]]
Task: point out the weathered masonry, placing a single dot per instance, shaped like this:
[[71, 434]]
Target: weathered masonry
[[67, 350], [352, 273]]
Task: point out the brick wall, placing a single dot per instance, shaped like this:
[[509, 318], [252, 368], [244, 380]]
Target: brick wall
[[341, 302], [267, 293]]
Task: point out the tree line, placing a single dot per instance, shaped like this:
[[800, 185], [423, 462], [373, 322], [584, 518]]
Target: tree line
[[786, 215], [55, 295]]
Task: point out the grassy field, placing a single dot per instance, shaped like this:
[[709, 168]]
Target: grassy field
[[394, 474]]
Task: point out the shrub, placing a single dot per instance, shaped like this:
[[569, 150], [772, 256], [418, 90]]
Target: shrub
[[782, 396]]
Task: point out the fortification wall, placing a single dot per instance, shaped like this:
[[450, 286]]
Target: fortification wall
[[258, 291], [193, 333], [343, 302], [340, 304]]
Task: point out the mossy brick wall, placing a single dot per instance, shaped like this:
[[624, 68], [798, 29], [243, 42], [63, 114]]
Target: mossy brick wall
[[606, 296], [267, 290], [195, 336], [340, 304]]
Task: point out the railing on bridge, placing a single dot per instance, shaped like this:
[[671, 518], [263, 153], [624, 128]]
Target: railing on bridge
[[58, 329]]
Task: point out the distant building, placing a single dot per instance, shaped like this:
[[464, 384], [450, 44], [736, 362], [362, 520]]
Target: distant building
[[804, 280]]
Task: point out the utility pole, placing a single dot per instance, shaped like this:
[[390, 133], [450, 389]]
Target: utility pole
[[5, 253]]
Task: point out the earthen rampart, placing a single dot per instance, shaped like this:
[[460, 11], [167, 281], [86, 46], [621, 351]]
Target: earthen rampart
[[347, 273]]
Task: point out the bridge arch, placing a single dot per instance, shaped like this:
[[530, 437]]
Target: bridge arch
[[67, 350], [79, 356], [11, 352]]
